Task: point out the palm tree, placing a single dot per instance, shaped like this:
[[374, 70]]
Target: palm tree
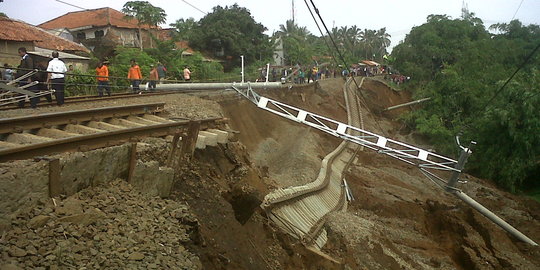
[[291, 29], [368, 39], [383, 41], [352, 36]]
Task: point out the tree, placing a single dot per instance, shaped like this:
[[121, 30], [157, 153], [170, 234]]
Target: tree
[[383, 42], [145, 13], [184, 28], [296, 47], [291, 29], [461, 67], [230, 32]]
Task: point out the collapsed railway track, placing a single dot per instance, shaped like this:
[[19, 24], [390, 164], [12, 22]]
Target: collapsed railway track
[[301, 211], [82, 130]]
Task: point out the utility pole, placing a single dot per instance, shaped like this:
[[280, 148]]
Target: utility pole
[[292, 11]]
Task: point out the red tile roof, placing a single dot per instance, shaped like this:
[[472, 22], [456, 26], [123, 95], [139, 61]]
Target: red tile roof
[[91, 17], [15, 30], [165, 34]]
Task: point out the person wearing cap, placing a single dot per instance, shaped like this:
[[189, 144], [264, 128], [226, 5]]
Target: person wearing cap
[[153, 78], [102, 72]]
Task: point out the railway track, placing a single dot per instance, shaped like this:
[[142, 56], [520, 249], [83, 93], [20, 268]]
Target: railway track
[[82, 99], [82, 130], [301, 211]]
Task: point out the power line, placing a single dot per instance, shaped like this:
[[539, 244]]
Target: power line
[[69, 4], [363, 99], [517, 10], [511, 77], [203, 12]]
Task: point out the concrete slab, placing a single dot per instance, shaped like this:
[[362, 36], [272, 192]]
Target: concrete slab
[[55, 133], [211, 138], [201, 142], [223, 136], [141, 120], [6, 145], [26, 138], [156, 118], [80, 129], [124, 123], [104, 126]]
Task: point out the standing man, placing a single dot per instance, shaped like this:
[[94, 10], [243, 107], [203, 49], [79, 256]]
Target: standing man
[[102, 72], [56, 77], [187, 74], [134, 74], [153, 78], [162, 72], [41, 77], [26, 65]]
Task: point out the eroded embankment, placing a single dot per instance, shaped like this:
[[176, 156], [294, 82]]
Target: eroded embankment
[[399, 219]]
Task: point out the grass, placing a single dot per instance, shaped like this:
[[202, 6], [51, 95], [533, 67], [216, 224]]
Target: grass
[[535, 194]]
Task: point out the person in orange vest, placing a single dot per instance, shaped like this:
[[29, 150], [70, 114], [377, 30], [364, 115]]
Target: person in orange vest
[[102, 72], [134, 74]]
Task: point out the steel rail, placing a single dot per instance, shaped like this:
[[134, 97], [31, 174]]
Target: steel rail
[[97, 140], [82, 99], [19, 124]]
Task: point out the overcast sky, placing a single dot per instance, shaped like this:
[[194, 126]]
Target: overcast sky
[[397, 16]]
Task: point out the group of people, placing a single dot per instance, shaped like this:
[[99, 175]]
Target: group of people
[[157, 74], [52, 77]]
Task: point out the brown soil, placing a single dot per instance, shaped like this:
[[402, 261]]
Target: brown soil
[[398, 220]]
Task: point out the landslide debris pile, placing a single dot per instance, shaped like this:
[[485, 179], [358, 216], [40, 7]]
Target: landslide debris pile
[[105, 227]]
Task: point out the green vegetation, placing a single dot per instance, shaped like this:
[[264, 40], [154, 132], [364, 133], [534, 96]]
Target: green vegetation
[[461, 66], [228, 33], [145, 13]]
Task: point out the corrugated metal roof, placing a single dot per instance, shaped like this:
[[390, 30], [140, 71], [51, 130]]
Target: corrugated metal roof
[[15, 30], [62, 55], [370, 63]]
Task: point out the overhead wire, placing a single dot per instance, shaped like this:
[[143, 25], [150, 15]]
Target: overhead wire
[[203, 12], [517, 10], [363, 99], [511, 77]]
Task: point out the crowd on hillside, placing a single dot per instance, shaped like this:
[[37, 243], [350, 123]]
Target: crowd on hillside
[[299, 74]]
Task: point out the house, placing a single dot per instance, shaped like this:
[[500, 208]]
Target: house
[[15, 34], [167, 34], [101, 29]]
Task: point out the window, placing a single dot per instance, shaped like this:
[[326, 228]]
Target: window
[[99, 33], [81, 35]]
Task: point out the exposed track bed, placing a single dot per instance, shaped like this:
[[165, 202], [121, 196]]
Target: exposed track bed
[[301, 210]]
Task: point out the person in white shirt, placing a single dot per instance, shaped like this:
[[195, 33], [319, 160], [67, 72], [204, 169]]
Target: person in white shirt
[[56, 77]]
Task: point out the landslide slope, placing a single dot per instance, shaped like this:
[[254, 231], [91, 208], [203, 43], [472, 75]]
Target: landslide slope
[[399, 219]]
